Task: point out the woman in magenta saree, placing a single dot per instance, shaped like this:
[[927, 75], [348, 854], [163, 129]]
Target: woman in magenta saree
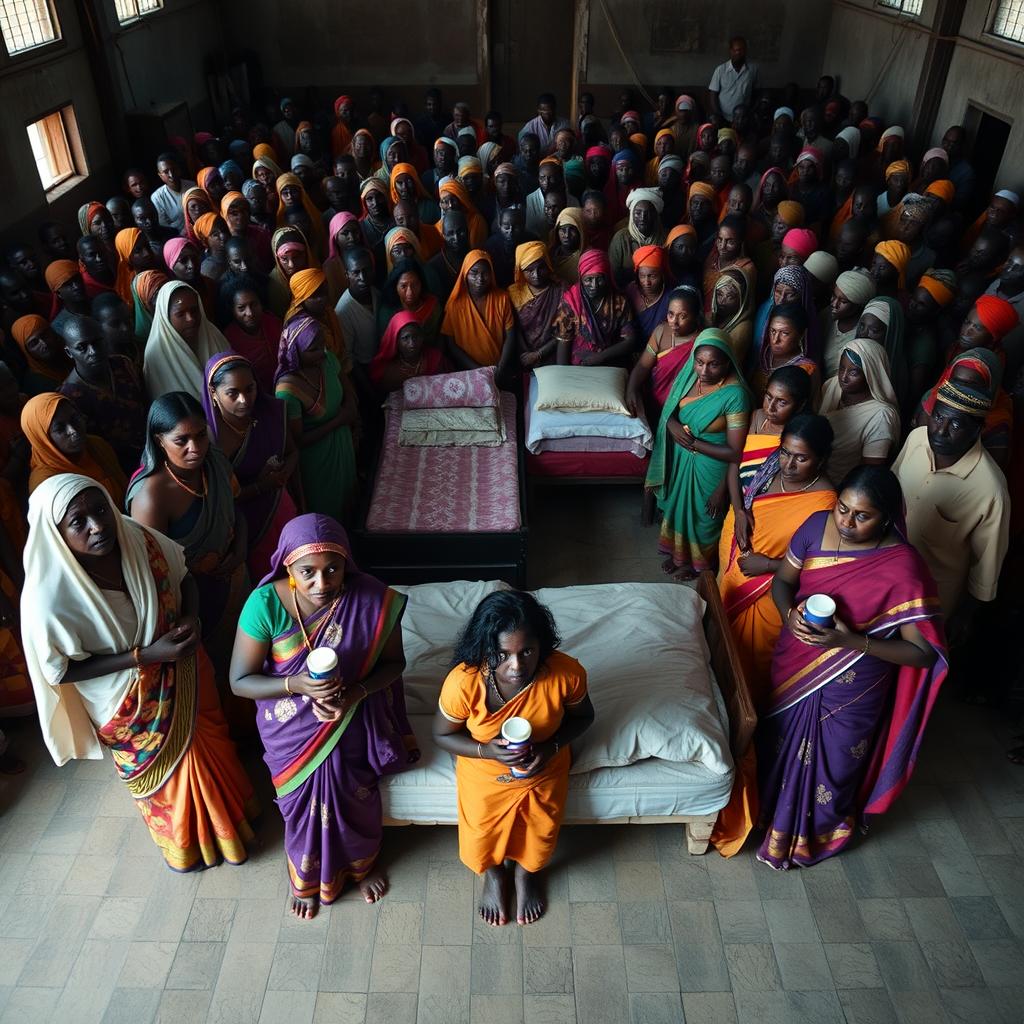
[[327, 741], [847, 709]]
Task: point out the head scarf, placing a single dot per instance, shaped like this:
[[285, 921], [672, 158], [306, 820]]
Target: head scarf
[[892, 132], [486, 152], [204, 176], [857, 285], [269, 163], [476, 224], [316, 221], [783, 112], [593, 261], [728, 133], [71, 616], [527, 253], [780, 173], [652, 196], [229, 198], [851, 136], [264, 149], [897, 167], [799, 278], [124, 242], [312, 534], [1009, 196], [679, 229], [27, 327], [598, 152], [506, 168], [941, 288], [871, 358], [672, 160], [145, 286], [203, 226], [746, 307], [938, 153], [649, 256], [684, 102], [401, 235], [790, 212], [469, 164], [338, 221], [898, 254], [59, 272], [430, 360], [943, 188], [802, 241], [983, 361], [396, 172], [169, 363], [299, 333], [573, 216], [193, 193], [823, 266], [230, 165], [172, 251], [997, 316], [48, 460], [702, 188], [300, 160], [916, 206], [303, 284]]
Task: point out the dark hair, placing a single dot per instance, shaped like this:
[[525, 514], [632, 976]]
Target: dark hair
[[105, 301], [493, 115], [587, 96], [164, 414], [796, 381], [793, 311], [738, 39], [433, 92], [593, 195], [169, 157], [692, 297], [356, 250], [530, 135], [882, 487], [815, 430], [546, 97], [229, 286], [734, 222], [389, 293], [504, 611], [229, 365]]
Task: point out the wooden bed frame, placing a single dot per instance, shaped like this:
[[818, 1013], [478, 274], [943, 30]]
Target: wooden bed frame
[[410, 558], [732, 683]]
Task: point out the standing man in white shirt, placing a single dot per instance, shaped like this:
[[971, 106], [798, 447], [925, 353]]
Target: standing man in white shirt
[[734, 81], [167, 198]]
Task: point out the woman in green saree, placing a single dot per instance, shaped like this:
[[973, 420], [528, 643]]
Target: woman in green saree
[[322, 411], [701, 431]]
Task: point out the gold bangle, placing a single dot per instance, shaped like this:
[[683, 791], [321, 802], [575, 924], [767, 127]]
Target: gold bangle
[[479, 752], [867, 644], [137, 656], [287, 685]]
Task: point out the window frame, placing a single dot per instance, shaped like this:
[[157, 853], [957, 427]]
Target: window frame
[[72, 161], [992, 37], [28, 52], [138, 15], [895, 8]]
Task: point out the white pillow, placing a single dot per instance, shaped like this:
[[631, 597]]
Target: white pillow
[[546, 425], [586, 388]]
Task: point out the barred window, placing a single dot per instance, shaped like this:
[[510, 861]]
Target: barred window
[[911, 7], [132, 10], [1008, 22], [26, 24]]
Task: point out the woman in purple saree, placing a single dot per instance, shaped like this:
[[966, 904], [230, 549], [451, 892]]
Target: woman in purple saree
[[327, 741], [848, 705]]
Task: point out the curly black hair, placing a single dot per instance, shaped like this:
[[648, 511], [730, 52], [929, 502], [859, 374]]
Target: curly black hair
[[504, 611]]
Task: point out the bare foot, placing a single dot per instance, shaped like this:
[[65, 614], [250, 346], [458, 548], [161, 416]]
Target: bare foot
[[683, 574], [304, 909], [11, 765], [530, 905], [492, 903], [374, 885]]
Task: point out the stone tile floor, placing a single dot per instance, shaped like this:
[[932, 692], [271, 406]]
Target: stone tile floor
[[922, 922]]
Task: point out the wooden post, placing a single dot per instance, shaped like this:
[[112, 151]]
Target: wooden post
[[483, 52], [938, 57], [581, 37]]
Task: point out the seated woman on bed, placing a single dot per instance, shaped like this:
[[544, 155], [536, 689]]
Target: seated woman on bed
[[507, 665]]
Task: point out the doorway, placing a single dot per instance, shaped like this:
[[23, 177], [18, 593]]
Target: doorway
[[531, 52], [987, 134]]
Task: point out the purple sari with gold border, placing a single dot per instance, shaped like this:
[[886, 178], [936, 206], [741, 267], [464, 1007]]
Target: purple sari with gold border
[[326, 773], [839, 737]]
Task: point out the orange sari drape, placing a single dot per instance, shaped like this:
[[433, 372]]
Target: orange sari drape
[[480, 334], [501, 817], [756, 627]]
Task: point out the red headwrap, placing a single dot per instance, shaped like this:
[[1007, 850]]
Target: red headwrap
[[996, 315], [602, 151], [595, 261], [338, 102], [802, 241]]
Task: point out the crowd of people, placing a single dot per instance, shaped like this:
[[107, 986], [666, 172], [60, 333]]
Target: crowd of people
[[822, 327]]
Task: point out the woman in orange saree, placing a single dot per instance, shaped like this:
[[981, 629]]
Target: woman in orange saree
[[116, 661], [789, 486], [507, 666]]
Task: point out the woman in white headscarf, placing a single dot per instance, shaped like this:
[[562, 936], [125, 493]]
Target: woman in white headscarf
[[643, 227], [115, 661], [861, 405], [181, 341]]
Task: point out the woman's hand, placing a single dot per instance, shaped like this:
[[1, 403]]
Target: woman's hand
[[634, 402], [497, 750], [592, 359], [754, 564], [320, 690], [542, 753], [715, 505], [743, 529], [840, 636], [681, 435], [529, 359], [274, 473], [177, 643]]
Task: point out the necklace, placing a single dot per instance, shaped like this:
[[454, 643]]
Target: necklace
[[184, 486], [714, 387], [333, 635], [234, 430], [492, 682], [782, 484]]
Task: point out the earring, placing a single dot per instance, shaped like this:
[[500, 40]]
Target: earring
[[291, 582]]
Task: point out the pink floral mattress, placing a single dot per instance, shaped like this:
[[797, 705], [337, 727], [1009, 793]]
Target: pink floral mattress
[[428, 489]]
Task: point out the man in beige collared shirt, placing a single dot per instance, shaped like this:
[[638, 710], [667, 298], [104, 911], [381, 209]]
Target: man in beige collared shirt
[[958, 507]]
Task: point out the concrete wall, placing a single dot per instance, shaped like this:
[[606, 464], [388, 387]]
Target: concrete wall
[[877, 57], [680, 44], [333, 46]]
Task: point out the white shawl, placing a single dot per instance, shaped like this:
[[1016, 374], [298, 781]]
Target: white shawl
[[169, 364], [66, 617]]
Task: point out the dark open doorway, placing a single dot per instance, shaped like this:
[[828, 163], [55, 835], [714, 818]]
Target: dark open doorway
[[987, 134]]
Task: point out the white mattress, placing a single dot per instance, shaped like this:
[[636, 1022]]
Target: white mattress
[[650, 788], [643, 648]]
